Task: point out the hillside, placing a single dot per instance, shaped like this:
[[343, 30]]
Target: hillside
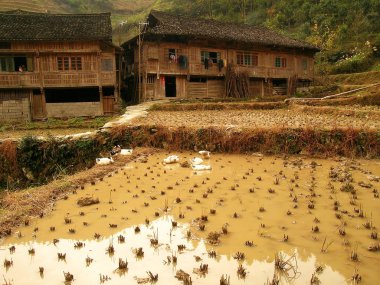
[[120, 9], [347, 31]]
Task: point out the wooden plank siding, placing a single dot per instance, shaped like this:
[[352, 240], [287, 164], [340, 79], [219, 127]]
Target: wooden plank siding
[[45, 71], [155, 60]]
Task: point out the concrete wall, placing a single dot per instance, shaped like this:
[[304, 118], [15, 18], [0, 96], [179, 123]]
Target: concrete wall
[[61, 110], [14, 106]]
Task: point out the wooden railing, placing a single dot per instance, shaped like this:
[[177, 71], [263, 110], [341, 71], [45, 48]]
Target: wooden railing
[[70, 79], [108, 78], [56, 79], [15, 79], [213, 70]]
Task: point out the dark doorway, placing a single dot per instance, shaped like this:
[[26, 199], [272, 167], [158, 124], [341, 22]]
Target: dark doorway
[[20, 63], [280, 86], [170, 86]]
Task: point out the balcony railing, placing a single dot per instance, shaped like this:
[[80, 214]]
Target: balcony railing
[[24, 79], [56, 79]]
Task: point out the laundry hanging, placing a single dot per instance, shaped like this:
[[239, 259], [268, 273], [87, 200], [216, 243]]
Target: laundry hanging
[[182, 60], [206, 63], [220, 64]]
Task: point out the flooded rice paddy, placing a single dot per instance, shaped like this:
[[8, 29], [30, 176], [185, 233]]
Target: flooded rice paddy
[[251, 219]]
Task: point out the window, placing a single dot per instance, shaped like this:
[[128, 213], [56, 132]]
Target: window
[[63, 63], [214, 56], [16, 63], [76, 63], [280, 62], [172, 53], [7, 64], [151, 79], [248, 59], [69, 63], [304, 64], [5, 45], [107, 64]]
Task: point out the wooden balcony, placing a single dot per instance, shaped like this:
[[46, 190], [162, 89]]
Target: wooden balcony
[[19, 80], [56, 79], [154, 67]]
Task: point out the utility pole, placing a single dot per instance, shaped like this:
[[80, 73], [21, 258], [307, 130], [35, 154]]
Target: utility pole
[[139, 70]]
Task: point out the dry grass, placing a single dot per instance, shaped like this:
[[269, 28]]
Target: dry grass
[[191, 106], [8, 149], [292, 117], [356, 78], [347, 142]]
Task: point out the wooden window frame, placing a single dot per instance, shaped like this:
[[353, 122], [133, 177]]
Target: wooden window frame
[[280, 62], [151, 79], [104, 65], [76, 63], [206, 54], [69, 63], [247, 59], [172, 51], [7, 64]]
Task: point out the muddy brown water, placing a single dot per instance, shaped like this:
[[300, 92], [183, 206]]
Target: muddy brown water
[[254, 196]]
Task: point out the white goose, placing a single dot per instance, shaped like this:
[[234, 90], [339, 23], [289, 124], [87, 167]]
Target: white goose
[[104, 160], [201, 167], [196, 161], [205, 153], [171, 159], [126, 151]]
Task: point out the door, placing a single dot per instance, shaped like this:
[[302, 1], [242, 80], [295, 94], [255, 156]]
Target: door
[[108, 102], [170, 86], [38, 105]]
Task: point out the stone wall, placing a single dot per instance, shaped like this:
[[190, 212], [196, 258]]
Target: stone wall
[[14, 106], [62, 110]]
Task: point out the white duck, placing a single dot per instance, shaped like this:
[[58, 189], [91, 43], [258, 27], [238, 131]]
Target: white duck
[[196, 161], [201, 167], [171, 159], [205, 153], [126, 151], [104, 160]]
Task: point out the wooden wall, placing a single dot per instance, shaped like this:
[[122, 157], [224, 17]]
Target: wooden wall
[[97, 68], [156, 65], [45, 71], [155, 60]]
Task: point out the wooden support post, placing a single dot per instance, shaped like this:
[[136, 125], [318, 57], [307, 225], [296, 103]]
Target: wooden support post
[[43, 101], [101, 99]]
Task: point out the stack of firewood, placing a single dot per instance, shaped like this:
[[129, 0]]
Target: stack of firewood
[[237, 83]]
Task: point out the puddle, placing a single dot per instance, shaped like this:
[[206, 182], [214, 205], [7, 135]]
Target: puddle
[[253, 198]]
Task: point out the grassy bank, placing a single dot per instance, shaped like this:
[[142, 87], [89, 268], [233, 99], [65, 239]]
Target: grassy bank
[[33, 162]]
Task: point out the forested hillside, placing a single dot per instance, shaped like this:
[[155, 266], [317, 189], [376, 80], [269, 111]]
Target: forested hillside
[[348, 31]]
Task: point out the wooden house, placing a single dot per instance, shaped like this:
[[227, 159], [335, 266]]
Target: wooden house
[[182, 57], [57, 65]]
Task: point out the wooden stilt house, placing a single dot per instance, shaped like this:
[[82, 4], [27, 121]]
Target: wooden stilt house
[[183, 57], [57, 65]]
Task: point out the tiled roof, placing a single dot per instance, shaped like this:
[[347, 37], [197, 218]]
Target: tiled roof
[[27, 26], [167, 24]]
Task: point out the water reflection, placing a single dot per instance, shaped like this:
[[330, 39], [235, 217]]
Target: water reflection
[[25, 269]]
